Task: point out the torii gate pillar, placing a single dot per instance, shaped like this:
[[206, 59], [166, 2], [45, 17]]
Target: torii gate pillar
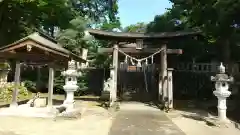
[[114, 73], [163, 75]]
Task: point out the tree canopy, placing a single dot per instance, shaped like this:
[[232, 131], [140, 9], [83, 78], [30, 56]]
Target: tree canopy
[[217, 19], [20, 17], [66, 20]]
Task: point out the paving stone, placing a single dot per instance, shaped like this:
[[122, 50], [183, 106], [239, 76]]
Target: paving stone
[[143, 122]]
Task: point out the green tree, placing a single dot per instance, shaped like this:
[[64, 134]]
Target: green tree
[[172, 21], [216, 18], [73, 37], [18, 18], [69, 18], [139, 27]]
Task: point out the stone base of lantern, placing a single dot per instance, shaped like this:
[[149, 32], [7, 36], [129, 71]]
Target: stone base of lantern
[[69, 101], [69, 105], [222, 107]]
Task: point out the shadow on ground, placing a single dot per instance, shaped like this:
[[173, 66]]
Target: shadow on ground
[[7, 104], [87, 98], [57, 102], [154, 104], [203, 109]]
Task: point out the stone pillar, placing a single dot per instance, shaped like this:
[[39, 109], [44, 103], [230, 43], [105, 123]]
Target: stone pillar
[[50, 86], [163, 74], [107, 93], [70, 86], [113, 73], [113, 91], [170, 87], [17, 83]]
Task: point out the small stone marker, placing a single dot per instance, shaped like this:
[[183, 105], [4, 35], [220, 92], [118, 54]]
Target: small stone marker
[[40, 102]]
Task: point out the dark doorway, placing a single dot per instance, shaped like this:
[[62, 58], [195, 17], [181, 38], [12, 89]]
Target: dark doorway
[[139, 84]]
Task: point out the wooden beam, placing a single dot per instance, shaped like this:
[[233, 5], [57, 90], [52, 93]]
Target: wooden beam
[[17, 83], [56, 64], [174, 51], [14, 46], [30, 57], [33, 44], [145, 50]]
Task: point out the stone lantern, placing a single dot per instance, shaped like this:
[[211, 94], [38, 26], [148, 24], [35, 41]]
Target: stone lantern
[[222, 81], [70, 86]]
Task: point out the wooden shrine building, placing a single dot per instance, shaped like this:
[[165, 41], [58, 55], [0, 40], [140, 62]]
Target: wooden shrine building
[[37, 49], [144, 49]]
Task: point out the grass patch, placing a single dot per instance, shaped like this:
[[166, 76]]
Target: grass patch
[[21, 98], [93, 100]]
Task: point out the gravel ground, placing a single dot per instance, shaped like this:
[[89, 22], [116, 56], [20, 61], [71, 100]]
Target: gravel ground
[[95, 121]]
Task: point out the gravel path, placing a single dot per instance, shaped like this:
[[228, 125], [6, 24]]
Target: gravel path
[[139, 119]]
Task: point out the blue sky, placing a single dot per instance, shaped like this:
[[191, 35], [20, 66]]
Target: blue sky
[[133, 11]]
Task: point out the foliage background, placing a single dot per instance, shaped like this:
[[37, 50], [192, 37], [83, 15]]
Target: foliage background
[[66, 21]]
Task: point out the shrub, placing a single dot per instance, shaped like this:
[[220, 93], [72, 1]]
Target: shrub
[[82, 85], [4, 65], [6, 92], [30, 85], [59, 82]]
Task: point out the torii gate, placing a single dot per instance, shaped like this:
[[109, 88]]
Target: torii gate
[[139, 43]]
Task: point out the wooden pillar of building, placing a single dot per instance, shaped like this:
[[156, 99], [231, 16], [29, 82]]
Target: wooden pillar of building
[[50, 86], [17, 83], [163, 74], [115, 73], [170, 87]]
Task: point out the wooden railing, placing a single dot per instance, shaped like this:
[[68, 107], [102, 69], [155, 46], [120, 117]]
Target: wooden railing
[[185, 67], [203, 67], [196, 67]]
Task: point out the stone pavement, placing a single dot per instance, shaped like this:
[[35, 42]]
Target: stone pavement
[[140, 119]]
